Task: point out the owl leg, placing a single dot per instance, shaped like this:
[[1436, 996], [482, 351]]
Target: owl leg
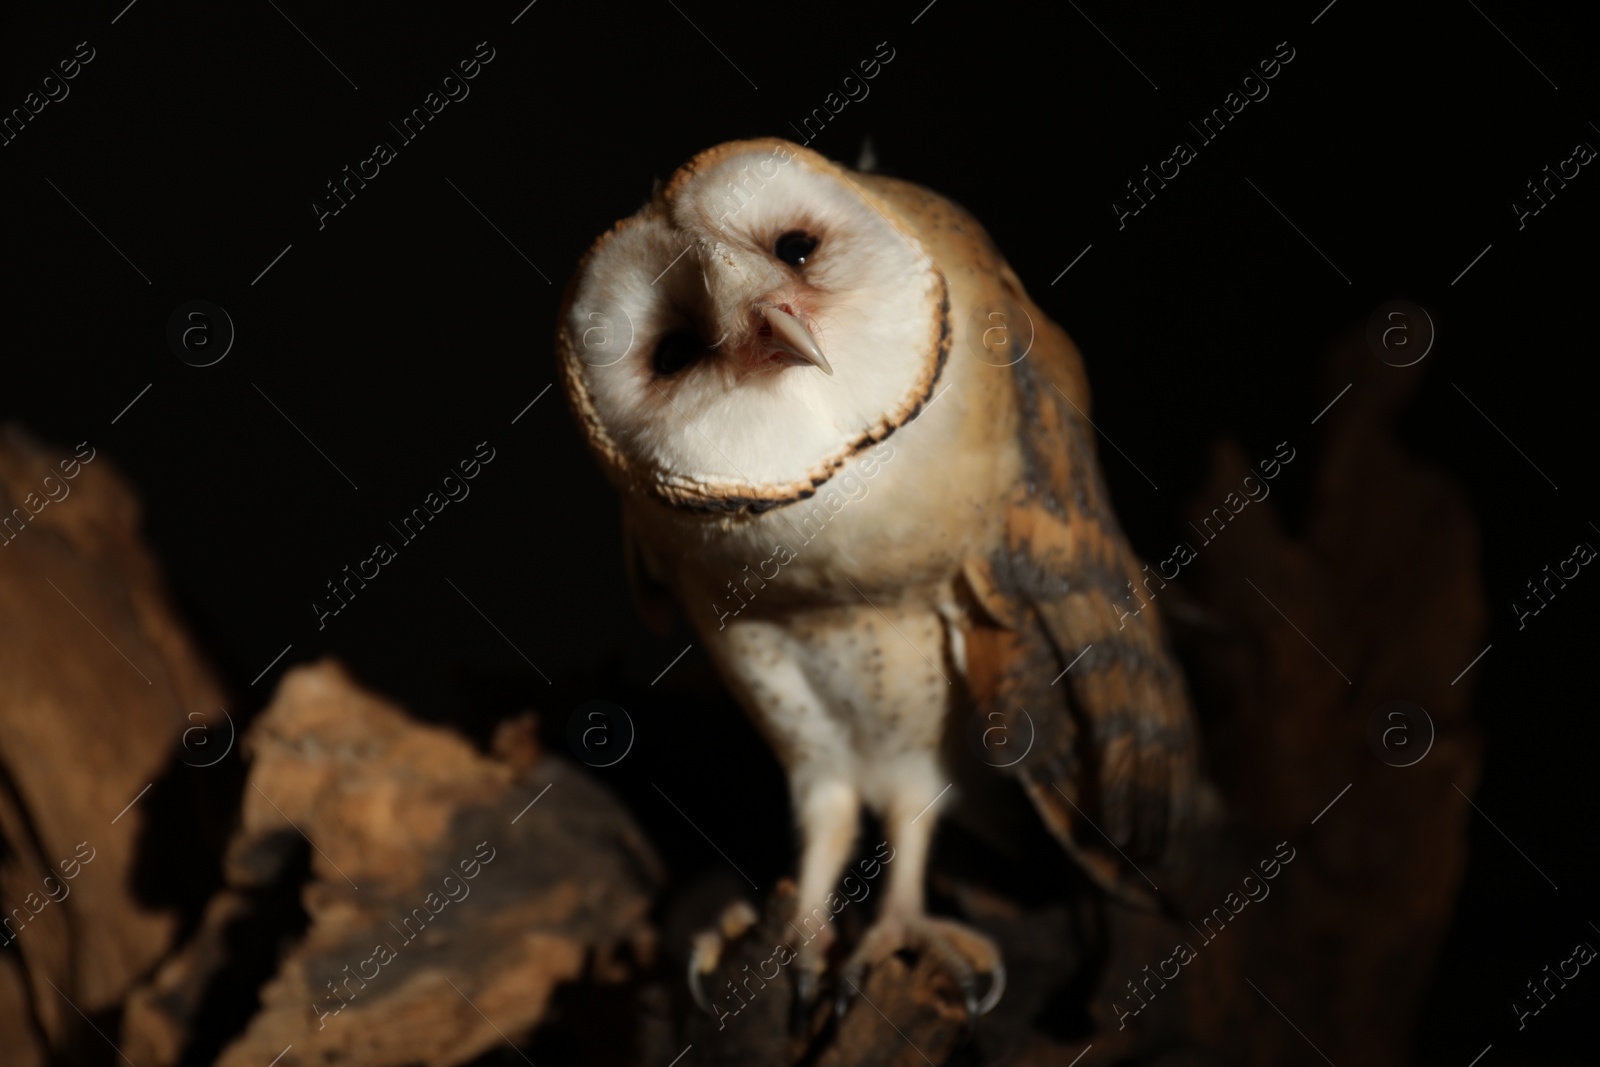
[[829, 813], [904, 924]]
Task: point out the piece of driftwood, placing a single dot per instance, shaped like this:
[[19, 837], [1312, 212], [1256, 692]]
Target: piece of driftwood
[[450, 892], [1379, 601], [100, 683], [24, 1044]]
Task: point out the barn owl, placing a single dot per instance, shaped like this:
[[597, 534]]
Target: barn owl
[[857, 457]]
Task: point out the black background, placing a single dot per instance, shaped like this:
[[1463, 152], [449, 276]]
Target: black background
[[408, 330]]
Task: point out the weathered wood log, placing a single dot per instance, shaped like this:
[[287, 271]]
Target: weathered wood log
[[25, 1046], [100, 682], [451, 892], [1381, 600]]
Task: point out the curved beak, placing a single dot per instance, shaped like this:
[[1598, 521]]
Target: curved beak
[[793, 337]]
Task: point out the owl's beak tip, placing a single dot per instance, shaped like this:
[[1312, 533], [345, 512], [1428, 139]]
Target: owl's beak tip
[[793, 337]]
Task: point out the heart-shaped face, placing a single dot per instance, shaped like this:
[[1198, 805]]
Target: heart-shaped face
[[761, 321]]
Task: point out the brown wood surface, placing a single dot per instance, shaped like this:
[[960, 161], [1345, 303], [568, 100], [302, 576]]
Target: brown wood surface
[[98, 680]]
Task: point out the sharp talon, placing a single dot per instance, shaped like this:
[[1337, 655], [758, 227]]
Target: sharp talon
[[997, 988], [695, 991], [705, 950], [969, 995], [805, 991], [849, 986]]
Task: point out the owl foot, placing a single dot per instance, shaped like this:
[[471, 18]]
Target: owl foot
[[962, 952], [706, 949]]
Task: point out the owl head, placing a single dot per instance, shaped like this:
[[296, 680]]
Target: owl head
[[761, 321]]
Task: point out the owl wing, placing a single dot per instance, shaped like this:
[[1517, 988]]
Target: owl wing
[[1060, 655], [1066, 655]]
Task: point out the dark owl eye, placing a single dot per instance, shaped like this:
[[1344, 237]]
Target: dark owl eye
[[795, 247], [676, 351]]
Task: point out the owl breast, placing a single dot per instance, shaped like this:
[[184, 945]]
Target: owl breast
[[861, 696]]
